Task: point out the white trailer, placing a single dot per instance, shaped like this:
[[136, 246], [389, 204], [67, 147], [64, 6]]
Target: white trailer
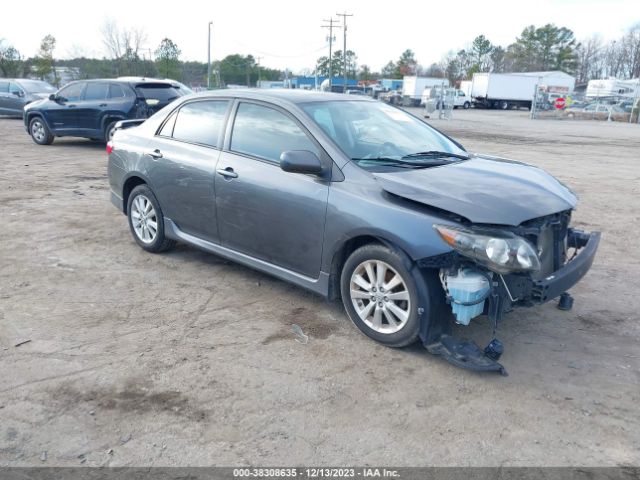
[[413, 87], [613, 88], [515, 90]]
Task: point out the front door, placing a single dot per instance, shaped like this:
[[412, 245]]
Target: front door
[[61, 114], [263, 211], [181, 162]]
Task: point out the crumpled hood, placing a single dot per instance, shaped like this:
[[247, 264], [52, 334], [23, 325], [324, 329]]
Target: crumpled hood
[[483, 190]]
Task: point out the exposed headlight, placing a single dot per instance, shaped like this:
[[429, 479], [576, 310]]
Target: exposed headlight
[[501, 252]]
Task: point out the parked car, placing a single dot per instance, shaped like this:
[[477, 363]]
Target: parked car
[[597, 111], [91, 108], [349, 197], [15, 93]]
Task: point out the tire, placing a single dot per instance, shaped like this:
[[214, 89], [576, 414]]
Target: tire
[[466, 105], [503, 105], [39, 131], [145, 216], [108, 132], [392, 322]]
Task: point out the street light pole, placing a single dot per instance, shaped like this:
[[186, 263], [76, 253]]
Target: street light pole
[[209, 57]]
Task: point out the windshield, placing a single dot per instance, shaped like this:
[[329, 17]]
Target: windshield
[[36, 86], [370, 132]]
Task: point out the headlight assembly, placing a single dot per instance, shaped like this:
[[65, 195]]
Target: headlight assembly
[[501, 252]]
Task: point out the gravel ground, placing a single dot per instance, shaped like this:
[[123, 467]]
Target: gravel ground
[[187, 359]]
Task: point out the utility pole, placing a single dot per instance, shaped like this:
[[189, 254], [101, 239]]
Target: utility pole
[[331, 25], [259, 77], [209, 57], [344, 49]]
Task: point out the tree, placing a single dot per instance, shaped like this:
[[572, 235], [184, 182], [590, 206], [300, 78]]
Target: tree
[[407, 63], [498, 58], [544, 48], [168, 59], [124, 46], [44, 59], [10, 61], [389, 70], [337, 64], [365, 73], [481, 49]]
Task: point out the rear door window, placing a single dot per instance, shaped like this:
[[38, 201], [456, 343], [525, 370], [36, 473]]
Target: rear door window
[[200, 122], [4, 86], [117, 92], [96, 91], [265, 133]]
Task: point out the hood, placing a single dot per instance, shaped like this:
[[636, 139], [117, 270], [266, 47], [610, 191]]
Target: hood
[[483, 190]]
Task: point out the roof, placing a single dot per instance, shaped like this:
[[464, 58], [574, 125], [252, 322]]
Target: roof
[[295, 96]]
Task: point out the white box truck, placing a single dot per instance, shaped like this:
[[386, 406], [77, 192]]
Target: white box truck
[[503, 90], [514, 90], [413, 87]]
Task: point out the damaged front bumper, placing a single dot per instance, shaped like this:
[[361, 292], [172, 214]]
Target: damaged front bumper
[[507, 292]]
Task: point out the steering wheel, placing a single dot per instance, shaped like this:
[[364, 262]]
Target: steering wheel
[[387, 149]]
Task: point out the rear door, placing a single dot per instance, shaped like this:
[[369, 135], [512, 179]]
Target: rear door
[[89, 110], [16, 98], [262, 210], [182, 164]]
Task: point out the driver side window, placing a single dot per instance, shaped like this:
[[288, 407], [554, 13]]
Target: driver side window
[[15, 88], [73, 92]]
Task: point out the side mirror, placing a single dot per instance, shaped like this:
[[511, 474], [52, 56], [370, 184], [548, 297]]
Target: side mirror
[[18, 93], [53, 97], [300, 161]]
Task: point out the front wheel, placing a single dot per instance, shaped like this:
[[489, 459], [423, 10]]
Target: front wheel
[[146, 221], [380, 295], [466, 105], [40, 132]]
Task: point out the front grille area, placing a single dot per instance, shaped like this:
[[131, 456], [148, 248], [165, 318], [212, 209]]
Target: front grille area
[[549, 235]]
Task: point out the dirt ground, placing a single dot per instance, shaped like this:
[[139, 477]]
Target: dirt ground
[[187, 359]]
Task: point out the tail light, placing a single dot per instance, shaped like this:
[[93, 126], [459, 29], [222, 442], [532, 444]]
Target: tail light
[[109, 148]]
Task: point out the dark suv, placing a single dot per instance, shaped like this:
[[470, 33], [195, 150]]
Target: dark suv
[[91, 108]]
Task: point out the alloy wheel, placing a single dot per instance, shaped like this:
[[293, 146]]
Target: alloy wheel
[[380, 296], [144, 219], [37, 130]]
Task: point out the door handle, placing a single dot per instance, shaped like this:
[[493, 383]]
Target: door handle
[[71, 106], [102, 105], [227, 173], [154, 153]]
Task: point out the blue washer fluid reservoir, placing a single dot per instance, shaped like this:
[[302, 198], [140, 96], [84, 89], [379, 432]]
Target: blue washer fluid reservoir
[[467, 286]]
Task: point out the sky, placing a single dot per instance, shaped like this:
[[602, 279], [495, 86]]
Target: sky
[[288, 34]]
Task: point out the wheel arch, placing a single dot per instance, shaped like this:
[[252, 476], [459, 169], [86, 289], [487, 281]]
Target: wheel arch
[[132, 181], [349, 245]]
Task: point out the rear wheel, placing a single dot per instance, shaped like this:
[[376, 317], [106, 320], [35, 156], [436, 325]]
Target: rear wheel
[[380, 295], [40, 132], [503, 105], [146, 220], [108, 132]]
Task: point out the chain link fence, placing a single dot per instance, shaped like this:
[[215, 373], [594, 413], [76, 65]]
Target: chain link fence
[[610, 108]]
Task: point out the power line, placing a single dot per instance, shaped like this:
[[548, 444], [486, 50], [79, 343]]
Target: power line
[[344, 49]]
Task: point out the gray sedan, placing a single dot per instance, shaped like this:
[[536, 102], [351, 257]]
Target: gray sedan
[[15, 93], [353, 199]]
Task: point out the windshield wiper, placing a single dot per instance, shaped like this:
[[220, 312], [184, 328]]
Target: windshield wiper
[[397, 162], [436, 154]]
